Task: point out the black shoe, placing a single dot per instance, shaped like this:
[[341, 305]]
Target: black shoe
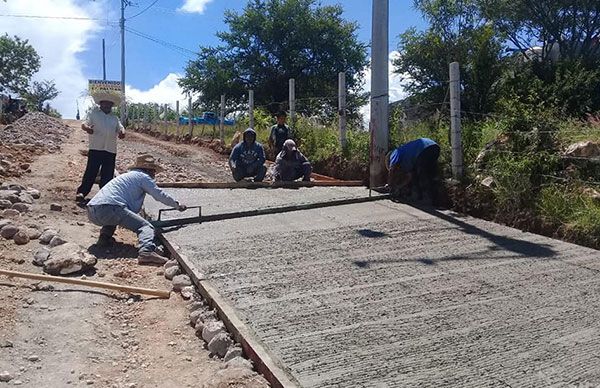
[[80, 197], [105, 241]]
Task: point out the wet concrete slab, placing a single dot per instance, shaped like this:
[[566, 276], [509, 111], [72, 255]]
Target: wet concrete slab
[[384, 295]]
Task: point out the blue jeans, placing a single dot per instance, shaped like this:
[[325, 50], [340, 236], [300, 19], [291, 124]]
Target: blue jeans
[[111, 216]]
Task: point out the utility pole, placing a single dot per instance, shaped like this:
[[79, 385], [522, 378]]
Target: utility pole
[[103, 61], [124, 3], [379, 93], [342, 108]]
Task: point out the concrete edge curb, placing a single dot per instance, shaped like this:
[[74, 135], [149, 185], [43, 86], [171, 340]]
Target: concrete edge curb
[[265, 363]]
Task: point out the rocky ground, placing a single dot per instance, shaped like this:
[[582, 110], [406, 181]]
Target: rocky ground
[[54, 335]]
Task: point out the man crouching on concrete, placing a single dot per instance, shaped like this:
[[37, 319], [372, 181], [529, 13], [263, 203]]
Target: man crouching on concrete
[[414, 165], [247, 158], [119, 202], [291, 164]]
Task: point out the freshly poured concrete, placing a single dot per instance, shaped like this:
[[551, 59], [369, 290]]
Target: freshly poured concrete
[[380, 294]]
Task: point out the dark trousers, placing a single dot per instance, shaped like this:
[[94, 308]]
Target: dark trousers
[[102, 161], [426, 172], [256, 171]]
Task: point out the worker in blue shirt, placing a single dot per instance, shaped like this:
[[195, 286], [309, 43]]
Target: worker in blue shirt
[[247, 158], [414, 165]]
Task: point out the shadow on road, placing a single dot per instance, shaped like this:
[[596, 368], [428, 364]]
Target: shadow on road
[[523, 248]]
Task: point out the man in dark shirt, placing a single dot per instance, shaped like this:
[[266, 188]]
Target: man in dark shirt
[[414, 165], [280, 132], [247, 159]]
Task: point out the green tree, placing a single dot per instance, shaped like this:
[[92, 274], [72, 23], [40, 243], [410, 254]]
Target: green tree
[[571, 27], [39, 93], [18, 62], [272, 41], [457, 32]]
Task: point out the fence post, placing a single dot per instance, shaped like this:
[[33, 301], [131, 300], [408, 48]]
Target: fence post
[[222, 120], [251, 107], [166, 121], [177, 118], [292, 102], [190, 123], [342, 108], [455, 134]]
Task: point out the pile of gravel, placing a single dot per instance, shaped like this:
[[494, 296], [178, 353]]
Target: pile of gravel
[[37, 129]]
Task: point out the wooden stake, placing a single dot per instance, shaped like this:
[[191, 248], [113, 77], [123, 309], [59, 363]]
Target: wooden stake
[[88, 283]]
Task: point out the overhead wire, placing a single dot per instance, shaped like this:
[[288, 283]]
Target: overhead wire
[[144, 10], [188, 53]]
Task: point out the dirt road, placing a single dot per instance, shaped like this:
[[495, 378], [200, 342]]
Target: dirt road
[[58, 336]]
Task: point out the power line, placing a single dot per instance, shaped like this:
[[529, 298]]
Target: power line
[[144, 10], [50, 17], [181, 50]]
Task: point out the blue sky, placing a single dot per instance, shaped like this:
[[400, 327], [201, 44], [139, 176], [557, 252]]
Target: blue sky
[[71, 49]]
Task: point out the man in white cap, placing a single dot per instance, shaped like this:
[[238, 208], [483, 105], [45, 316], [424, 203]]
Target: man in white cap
[[119, 202], [103, 128], [290, 164]]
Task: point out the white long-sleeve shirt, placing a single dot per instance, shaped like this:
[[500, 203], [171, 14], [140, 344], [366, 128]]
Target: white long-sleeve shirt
[[106, 129], [129, 190]]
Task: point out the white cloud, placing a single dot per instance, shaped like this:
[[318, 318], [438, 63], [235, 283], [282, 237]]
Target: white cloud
[[396, 92], [194, 6], [57, 41], [167, 91]]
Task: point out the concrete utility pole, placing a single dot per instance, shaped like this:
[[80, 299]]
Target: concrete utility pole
[[251, 107], [222, 120], [103, 60], [455, 134], [292, 102], [124, 3], [379, 93], [342, 108]]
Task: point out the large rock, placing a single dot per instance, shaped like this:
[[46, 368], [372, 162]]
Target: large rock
[[33, 233], [35, 194], [21, 238], [9, 231], [9, 195], [10, 213], [22, 207], [56, 241], [584, 149], [211, 329], [68, 258], [4, 222], [5, 204], [172, 271], [25, 198], [47, 236], [233, 352], [219, 344], [40, 256], [181, 281]]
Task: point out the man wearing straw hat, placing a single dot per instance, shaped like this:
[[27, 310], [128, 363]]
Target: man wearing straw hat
[[103, 128], [119, 202]]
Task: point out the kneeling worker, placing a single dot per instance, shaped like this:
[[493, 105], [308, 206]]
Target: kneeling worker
[[247, 158], [119, 202], [291, 164], [414, 164]]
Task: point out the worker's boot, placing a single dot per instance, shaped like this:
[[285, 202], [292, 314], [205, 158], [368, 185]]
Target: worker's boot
[[151, 257], [105, 241]]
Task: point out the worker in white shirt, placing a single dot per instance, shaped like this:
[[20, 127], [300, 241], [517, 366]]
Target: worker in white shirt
[[119, 202], [103, 128]]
